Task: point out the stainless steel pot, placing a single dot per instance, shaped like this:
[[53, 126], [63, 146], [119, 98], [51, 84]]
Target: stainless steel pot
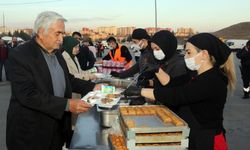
[[123, 83], [108, 117]]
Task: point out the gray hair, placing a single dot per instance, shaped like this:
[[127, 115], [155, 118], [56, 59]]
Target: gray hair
[[45, 19]]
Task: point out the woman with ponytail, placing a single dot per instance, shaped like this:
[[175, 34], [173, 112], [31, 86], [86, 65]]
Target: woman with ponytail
[[206, 94]]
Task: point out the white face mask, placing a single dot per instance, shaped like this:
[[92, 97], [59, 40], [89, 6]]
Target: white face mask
[[135, 47], [190, 63], [138, 46], [109, 47], [159, 55]]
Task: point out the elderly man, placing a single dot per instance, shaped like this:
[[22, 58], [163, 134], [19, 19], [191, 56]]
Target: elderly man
[[39, 114]]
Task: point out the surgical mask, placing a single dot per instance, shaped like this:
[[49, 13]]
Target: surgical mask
[[135, 47], [190, 63], [138, 46], [109, 47], [159, 55]]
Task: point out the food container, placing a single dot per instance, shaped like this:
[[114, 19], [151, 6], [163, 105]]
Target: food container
[[153, 127], [102, 136], [108, 117], [122, 83]]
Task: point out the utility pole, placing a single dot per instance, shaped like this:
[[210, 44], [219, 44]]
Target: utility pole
[[155, 16], [3, 23]]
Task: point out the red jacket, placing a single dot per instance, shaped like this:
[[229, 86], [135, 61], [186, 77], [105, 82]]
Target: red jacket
[[3, 53]]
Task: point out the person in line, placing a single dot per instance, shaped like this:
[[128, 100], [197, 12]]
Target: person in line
[[100, 49], [92, 48], [13, 43], [205, 94], [70, 49], [244, 56], [3, 57], [85, 56], [118, 53], [39, 113]]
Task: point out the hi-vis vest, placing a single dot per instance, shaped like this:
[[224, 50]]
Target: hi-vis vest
[[118, 57]]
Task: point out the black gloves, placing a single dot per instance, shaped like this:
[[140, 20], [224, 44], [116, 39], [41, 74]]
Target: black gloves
[[143, 83], [151, 68], [132, 91], [114, 74]]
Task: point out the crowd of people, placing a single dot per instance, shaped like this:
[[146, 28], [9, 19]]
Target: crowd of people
[[51, 72]]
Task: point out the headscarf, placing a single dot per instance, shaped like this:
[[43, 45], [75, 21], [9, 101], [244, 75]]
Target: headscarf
[[68, 44], [215, 47], [167, 42]]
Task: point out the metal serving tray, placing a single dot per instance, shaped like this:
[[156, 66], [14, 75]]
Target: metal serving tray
[[132, 146], [151, 129]]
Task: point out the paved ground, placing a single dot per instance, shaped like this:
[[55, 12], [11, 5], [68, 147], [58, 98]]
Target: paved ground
[[237, 113]]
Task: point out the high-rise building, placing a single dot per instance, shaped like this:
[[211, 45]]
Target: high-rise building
[[151, 30], [125, 31], [184, 32], [108, 30]]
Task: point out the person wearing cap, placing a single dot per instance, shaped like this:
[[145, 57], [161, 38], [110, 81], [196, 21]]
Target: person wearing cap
[[244, 56], [3, 57], [205, 94], [118, 53], [140, 39], [85, 56]]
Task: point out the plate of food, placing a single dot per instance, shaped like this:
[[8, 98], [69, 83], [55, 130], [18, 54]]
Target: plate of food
[[93, 97], [109, 100], [102, 100]]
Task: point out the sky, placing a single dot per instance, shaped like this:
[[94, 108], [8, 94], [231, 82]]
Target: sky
[[202, 15]]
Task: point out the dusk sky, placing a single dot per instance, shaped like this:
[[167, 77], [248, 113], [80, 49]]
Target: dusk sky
[[208, 15]]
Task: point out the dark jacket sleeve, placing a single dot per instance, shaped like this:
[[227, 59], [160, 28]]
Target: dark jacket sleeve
[[24, 89], [125, 53], [130, 72], [186, 94], [241, 53], [81, 86], [86, 58], [91, 59]]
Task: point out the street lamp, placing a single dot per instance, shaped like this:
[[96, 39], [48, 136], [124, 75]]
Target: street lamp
[[155, 16]]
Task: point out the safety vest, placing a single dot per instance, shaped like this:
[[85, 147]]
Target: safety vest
[[118, 57]]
